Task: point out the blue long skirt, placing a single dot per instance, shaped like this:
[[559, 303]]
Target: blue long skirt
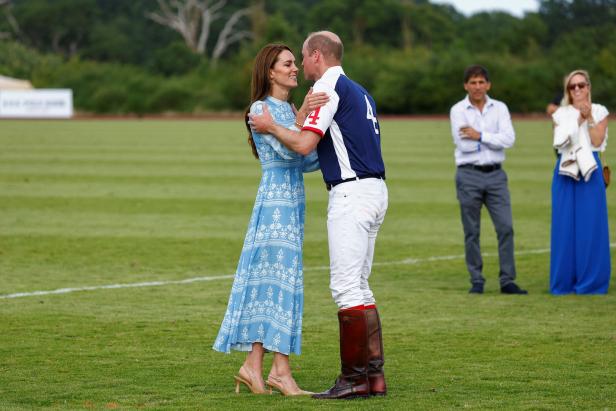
[[580, 245]]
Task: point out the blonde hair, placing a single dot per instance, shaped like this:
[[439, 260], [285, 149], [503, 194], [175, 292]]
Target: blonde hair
[[566, 94]]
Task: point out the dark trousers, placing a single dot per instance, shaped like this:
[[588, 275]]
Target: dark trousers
[[475, 188]]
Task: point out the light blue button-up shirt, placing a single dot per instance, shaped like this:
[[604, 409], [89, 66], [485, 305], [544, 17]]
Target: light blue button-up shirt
[[494, 124]]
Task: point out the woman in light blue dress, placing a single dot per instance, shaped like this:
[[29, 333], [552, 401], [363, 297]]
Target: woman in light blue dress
[[265, 307]]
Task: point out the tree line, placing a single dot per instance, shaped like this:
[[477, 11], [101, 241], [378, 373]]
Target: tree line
[[195, 56]]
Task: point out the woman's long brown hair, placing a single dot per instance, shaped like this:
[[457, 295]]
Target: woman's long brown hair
[[260, 85]]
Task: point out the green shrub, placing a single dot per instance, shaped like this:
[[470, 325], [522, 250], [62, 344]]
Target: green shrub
[[174, 59], [109, 99], [19, 61], [171, 97]]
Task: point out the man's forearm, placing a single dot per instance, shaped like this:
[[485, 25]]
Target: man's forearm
[[466, 145], [300, 142], [500, 140]]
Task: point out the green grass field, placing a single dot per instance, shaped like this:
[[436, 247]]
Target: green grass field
[[95, 203]]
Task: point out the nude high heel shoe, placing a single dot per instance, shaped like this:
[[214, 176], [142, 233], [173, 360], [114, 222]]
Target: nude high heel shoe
[[243, 377], [278, 384]]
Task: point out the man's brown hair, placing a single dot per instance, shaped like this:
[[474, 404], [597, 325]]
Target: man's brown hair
[[476, 71]]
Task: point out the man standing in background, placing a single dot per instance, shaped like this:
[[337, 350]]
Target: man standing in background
[[482, 130]]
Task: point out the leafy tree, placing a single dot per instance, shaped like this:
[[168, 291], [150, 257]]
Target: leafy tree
[[193, 20], [61, 26], [429, 25], [410, 54], [8, 24], [563, 16], [368, 21]]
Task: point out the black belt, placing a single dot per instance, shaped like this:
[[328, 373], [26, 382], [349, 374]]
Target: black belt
[[346, 180], [484, 169]]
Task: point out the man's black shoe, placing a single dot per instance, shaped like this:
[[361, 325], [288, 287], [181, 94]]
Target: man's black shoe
[[476, 289], [512, 288]]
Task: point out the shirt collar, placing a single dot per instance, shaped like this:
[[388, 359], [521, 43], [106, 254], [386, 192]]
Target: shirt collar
[[332, 72], [468, 104]]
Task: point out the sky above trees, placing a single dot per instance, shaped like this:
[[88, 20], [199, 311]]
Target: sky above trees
[[514, 7]]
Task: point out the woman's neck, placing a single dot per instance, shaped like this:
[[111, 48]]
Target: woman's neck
[[280, 93]]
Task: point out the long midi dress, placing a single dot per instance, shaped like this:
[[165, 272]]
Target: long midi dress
[[267, 296], [580, 259]]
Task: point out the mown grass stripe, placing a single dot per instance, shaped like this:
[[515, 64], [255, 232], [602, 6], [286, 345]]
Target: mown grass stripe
[[408, 261]]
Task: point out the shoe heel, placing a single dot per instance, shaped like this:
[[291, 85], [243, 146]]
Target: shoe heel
[[269, 387], [239, 381]]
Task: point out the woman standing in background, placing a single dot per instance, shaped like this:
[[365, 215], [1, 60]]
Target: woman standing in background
[[580, 246]]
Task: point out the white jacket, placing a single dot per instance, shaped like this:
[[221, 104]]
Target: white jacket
[[573, 141]]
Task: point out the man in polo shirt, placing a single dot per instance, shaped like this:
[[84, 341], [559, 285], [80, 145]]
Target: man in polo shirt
[[482, 130], [346, 134]]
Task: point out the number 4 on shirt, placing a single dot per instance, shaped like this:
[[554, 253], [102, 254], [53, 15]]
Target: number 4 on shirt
[[314, 116], [370, 115]]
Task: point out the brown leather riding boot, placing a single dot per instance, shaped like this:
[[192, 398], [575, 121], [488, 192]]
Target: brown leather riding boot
[[376, 360], [353, 380]]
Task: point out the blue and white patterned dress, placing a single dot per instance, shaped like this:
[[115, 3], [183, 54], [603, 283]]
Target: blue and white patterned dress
[[267, 297]]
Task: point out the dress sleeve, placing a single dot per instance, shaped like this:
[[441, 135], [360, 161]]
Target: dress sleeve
[[257, 108], [599, 112], [311, 162]]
